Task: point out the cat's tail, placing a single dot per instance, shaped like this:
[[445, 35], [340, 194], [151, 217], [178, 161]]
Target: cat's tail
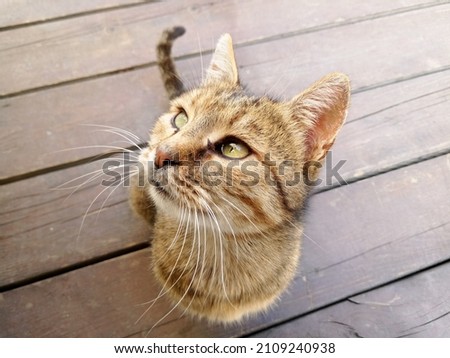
[[172, 82]]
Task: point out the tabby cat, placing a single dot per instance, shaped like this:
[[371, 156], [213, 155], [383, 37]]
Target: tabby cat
[[221, 186]]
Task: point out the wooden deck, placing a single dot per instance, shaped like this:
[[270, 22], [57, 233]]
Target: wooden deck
[[377, 263]]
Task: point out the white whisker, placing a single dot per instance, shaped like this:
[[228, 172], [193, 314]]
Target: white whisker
[[180, 225], [112, 191], [163, 292], [231, 228], [221, 244], [127, 139], [186, 291], [201, 57], [64, 187], [98, 146], [245, 215], [199, 281], [87, 211], [118, 130]]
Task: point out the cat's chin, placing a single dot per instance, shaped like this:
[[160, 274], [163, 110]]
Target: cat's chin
[[171, 205], [165, 201]]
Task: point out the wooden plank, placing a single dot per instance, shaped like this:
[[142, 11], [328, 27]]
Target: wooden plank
[[44, 229], [367, 145], [112, 41], [54, 120], [20, 12], [81, 308], [393, 125], [51, 119], [358, 236], [418, 306]]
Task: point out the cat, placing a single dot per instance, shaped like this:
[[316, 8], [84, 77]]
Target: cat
[[226, 242]]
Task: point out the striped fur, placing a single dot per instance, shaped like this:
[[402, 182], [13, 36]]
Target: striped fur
[[172, 82], [226, 245]]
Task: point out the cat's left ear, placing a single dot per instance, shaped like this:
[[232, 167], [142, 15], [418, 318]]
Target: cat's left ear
[[223, 65], [322, 109]]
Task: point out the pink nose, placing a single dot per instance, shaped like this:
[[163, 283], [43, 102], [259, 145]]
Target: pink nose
[[164, 157]]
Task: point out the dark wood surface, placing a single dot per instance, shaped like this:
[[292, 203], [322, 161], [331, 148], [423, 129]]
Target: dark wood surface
[[125, 36], [389, 311], [376, 252], [339, 261], [26, 12], [287, 66]]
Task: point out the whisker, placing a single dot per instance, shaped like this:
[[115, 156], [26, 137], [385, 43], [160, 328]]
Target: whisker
[[112, 191], [180, 225], [231, 228], [117, 129], [87, 211], [185, 293], [222, 271], [99, 146], [163, 292], [203, 261], [201, 56], [315, 243], [94, 175], [183, 212], [214, 270], [245, 215], [64, 187], [127, 139]]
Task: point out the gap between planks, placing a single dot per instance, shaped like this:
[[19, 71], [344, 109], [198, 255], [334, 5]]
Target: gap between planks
[[349, 298], [145, 245], [312, 29], [387, 169], [360, 154], [297, 300], [93, 158], [139, 90], [74, 267], [75, 15], [291, 306]]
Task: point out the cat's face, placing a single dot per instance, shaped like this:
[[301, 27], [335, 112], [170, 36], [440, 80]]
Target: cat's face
[[224, 148], [237, 161]]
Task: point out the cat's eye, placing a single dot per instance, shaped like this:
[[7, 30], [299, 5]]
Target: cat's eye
[[234, 150], [180, 120]]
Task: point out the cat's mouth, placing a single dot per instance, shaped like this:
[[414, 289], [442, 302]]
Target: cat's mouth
[[165, 185], [161, 186], [161, 190], [171, 190]]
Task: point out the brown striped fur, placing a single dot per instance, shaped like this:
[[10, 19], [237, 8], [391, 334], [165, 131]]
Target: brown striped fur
[[229, 250], [172, 82]]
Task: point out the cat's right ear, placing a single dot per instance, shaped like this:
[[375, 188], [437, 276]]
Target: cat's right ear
[[223, 64], [321, 111]]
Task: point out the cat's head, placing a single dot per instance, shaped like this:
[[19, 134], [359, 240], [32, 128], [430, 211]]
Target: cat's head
[[236, 160]]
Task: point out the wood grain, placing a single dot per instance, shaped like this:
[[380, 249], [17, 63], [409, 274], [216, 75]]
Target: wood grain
[[418, 306], [53, 119], [391, 126], [69, 268], [411, 116], [116, 40], [357, 237], [21, 12], [415, 121], [82, 301], [48, 229]]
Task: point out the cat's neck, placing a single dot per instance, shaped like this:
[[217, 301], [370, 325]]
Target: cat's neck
[[209, 236]]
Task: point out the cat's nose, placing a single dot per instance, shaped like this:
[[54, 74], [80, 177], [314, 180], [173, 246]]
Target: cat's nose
[[164, 157]]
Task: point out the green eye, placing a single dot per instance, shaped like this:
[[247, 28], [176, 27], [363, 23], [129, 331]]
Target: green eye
[[234, 150], [180, 120]]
